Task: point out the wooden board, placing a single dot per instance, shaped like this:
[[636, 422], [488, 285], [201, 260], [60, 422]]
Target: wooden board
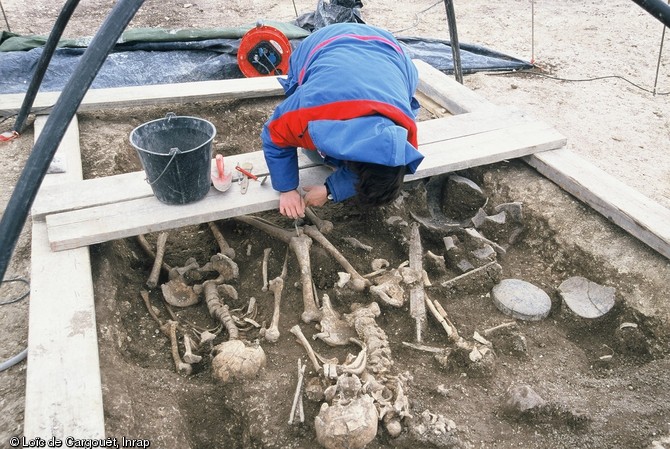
[[637, 214], [63, 388], [626, 207], [460, 148], [119, 97], [130, 186]]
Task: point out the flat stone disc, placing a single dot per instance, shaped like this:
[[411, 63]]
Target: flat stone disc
[[585, 298], [521, 299]]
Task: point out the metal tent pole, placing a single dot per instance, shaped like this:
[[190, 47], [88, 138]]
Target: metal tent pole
[[453, 38]]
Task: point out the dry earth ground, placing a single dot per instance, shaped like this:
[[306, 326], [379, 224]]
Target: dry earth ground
[[621, 128]]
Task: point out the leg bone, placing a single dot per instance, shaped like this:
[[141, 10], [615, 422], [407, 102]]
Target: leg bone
[[358, 282]]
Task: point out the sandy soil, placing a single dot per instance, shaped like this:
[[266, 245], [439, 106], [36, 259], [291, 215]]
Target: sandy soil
[[621, 128]]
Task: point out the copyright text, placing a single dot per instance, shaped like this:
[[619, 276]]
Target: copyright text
[[87, 443]]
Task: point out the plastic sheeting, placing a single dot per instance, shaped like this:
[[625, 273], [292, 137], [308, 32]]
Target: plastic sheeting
[[157, 56]]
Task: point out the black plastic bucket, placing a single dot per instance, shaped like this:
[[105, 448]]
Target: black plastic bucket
[[176, 153]]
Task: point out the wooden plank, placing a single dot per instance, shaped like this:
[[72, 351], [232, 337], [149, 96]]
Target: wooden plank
[[63, 386], [447, 92], [487, 148], [119, 97], [129, 186], [626, 207], [108, 222]]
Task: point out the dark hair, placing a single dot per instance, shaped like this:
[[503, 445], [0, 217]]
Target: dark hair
[[377, 184]]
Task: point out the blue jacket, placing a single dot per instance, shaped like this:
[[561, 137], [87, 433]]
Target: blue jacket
[[350, 95]]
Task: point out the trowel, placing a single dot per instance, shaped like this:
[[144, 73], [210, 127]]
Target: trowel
[[221, 178]]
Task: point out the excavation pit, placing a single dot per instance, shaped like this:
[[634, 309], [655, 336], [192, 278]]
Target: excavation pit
[[599, 378]]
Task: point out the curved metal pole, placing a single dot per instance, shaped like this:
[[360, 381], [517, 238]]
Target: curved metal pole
[[43, 63], [657, 8], [33, 173]]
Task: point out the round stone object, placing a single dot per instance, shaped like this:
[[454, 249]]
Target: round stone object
[[586, 298], [521, 299]]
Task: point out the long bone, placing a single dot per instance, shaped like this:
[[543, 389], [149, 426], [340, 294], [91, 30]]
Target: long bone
[[276, 286], [152, 282], [146, 246], [180, 366], [324, 226], [358, 282], [300, 244], [295, 330], [266, 256], [224, 247]]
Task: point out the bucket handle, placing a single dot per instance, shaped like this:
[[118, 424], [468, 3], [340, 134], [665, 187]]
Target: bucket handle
[[173, 152]]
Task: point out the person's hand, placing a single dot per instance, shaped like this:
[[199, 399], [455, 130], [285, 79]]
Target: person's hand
[[315, 195], [291, 204]]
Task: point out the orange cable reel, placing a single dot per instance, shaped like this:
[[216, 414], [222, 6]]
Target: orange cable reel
[[264, 51]]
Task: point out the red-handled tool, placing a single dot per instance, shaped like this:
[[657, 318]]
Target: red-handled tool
[[246, 173]]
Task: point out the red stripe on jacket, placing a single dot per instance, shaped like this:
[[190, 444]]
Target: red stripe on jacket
[[290, 130]]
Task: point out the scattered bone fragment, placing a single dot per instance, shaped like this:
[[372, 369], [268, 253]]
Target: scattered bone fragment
[[152, 282], [348, 423], [358, 282], [180, 366], [491, 270], [224, 247], [343, 279], [297, 397], [417, 305], [495, 329], [354, 242], [324, 226], [189, 357], [435, 263], [429, 429], [266, 257], [334, 330]]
